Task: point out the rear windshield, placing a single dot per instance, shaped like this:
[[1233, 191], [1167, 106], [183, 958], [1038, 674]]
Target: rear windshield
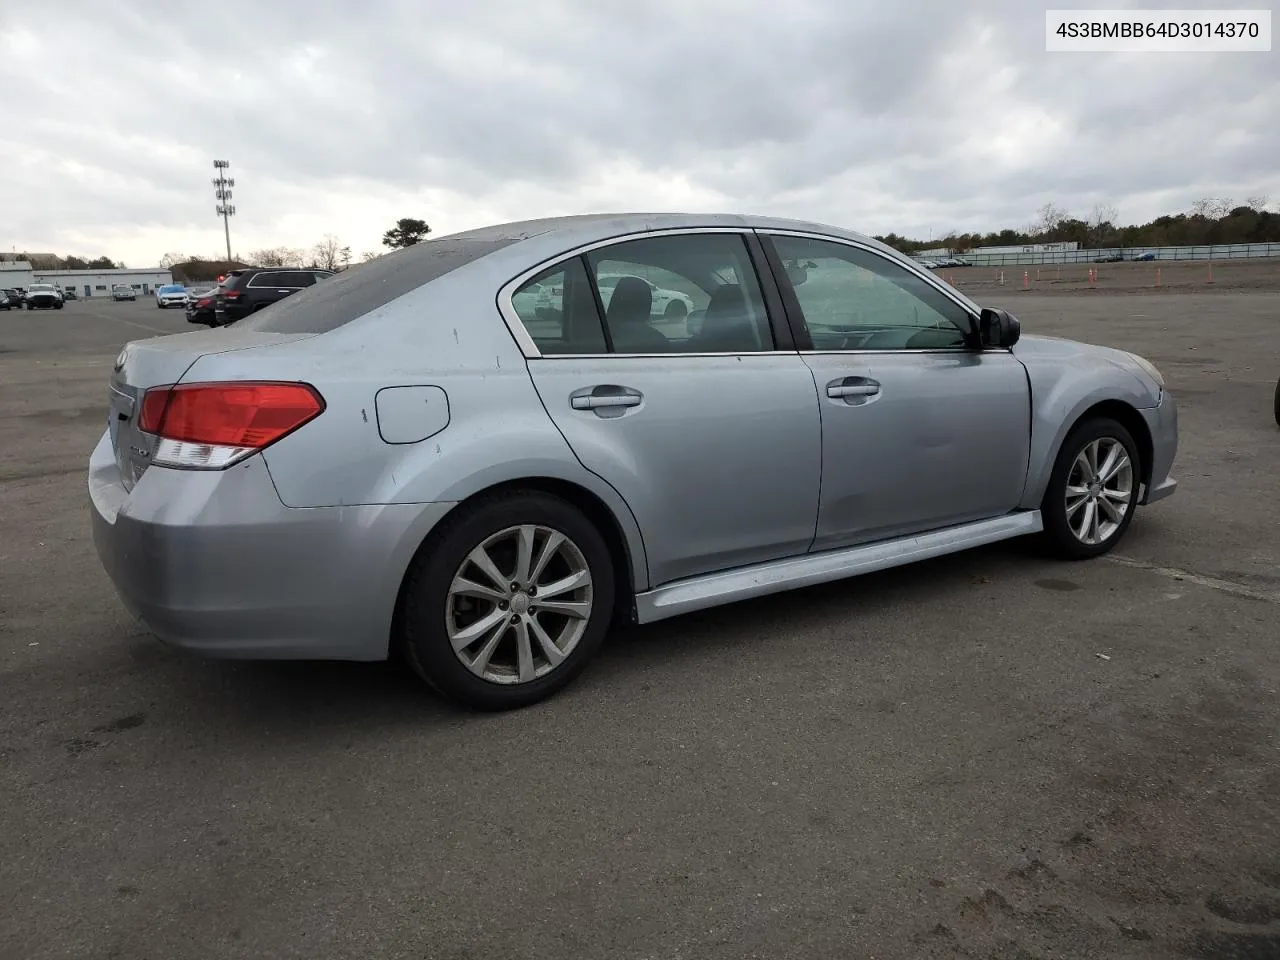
[[338, 300]]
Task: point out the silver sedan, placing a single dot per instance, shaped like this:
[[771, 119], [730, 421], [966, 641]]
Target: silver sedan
[[464, 452]]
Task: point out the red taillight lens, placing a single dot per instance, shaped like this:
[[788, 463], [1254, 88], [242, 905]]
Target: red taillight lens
[[245, 415], [231, 294]]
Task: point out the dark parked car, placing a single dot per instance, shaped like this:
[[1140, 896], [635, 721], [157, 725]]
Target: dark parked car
[[10, 299], [70, 294], [200, 309], [247, 291]]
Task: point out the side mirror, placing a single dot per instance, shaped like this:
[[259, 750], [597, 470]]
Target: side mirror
[[998, 328]]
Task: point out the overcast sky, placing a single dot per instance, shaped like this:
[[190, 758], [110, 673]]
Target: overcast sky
[[917, 116]]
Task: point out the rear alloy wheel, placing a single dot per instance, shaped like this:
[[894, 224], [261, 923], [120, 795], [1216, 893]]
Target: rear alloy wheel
[[1093, 491], [508, 602]]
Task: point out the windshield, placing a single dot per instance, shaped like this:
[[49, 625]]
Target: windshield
[[40, 287]]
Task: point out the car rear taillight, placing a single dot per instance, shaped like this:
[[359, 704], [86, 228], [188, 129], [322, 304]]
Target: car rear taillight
[[231, 294], [210, 426]]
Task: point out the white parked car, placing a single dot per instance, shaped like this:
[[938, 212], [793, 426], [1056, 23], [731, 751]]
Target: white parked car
[[171, 295], [666, 304]]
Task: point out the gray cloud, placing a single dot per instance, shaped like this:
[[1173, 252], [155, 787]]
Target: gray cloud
[[909, 116]]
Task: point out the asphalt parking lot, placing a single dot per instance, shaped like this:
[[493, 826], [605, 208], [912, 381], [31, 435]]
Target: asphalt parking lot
[[931, 762]]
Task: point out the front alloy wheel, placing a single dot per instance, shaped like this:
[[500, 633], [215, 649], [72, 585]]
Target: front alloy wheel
[[1093, 490], [1098, 491]]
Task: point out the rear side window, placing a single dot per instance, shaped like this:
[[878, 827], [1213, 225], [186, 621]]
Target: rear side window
[[559, 311], [355, 292]]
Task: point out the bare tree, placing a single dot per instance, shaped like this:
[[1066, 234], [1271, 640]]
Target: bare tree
[[1258, 203], [328, 253], [344, 257], [1102, 222], [369, 255], [173, 259], [1051, 218], [1103, 213], [269, 257], [1211, 208], [277, 257]]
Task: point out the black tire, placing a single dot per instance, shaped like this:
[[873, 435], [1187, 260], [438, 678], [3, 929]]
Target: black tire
[[57, 306], [421, 620], [676, 310], [1057, 531]]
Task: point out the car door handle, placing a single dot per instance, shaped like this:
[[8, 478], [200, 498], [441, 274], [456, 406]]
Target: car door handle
[[852, 387], [597, 401]]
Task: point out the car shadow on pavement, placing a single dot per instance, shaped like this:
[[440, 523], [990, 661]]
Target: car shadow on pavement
[[309, 695]]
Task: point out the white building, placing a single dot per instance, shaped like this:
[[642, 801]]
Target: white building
[[98, 283], [1052, 247], [86, 283]]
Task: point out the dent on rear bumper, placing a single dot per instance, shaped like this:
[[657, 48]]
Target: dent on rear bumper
[[214, 563], [1162, 421]]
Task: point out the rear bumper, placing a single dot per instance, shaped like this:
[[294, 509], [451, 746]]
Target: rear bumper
[[214, 563], [1162, 421]]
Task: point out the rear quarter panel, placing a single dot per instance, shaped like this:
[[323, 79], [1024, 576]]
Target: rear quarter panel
[[449, 335], [1067, 378]]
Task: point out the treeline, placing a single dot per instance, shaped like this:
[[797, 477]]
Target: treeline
[[328, 253], [40, 261], [1210, 220]]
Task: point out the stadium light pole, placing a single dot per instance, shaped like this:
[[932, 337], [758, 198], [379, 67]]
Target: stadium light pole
[[222, 190]]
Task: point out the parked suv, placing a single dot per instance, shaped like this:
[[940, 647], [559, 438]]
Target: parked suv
[[43, 296], [10, 299], [171, 295], [247, 291]]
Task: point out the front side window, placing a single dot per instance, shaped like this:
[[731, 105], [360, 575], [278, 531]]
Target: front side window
[[683, 293], [854, 299]]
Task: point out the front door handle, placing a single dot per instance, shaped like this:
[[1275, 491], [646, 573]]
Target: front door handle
[[606, 400], [848, 388]]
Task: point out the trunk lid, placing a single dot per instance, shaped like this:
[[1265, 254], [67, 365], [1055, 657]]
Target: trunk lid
[[163, 360]]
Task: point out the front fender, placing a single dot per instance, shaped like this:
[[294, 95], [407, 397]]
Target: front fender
[[1065, 383]]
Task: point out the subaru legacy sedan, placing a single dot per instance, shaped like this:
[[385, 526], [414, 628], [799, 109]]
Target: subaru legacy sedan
[[463, 452]]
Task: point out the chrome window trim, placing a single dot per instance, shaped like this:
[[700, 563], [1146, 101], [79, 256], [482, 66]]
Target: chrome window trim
[[666, 356], [912, 267], [530, 349]]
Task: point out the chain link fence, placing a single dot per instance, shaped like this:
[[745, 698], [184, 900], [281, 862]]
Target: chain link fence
[[1219, 251]]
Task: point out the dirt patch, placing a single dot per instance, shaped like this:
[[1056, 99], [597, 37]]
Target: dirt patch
[[1157, 277]]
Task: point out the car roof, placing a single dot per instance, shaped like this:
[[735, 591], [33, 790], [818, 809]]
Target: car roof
[[523, 243], [588, 228]]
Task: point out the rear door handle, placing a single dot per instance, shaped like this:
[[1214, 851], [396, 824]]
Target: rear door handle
[[596, 403], [848, 387], [606, 400]]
